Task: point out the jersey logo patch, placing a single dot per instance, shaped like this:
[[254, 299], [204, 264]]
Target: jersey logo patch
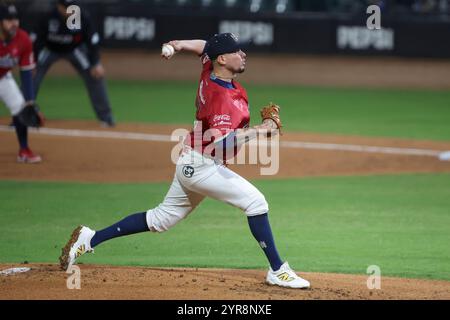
[[8, 61], [188, 171]]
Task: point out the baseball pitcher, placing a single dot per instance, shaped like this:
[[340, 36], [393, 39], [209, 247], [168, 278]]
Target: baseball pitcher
[[222, 123]]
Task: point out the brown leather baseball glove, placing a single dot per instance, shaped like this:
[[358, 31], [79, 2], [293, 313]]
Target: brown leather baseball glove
[[272, 111]]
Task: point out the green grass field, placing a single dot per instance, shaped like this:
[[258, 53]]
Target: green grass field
[[372, 112], [340, 224], [328, 224]]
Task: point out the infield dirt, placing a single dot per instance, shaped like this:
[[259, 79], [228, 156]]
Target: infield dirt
[[93, 159]]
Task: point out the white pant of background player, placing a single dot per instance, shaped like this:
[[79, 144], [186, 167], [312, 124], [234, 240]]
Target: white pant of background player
[[10, 94], [197, 177]]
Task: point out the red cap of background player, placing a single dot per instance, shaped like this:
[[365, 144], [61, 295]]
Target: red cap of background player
[[8, 12]]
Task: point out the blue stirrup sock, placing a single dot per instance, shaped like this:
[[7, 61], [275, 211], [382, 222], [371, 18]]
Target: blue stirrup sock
[[260, 228], [136, 223], [132, 224]]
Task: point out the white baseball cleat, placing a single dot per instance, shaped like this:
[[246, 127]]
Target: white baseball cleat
[[79, 244], [286, 277]]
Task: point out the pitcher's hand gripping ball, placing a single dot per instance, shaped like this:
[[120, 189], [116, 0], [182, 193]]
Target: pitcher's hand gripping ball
[[31, 116], [272, 111], [167, 51]]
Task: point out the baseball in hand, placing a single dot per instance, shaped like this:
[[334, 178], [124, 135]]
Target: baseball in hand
[[167, 50]]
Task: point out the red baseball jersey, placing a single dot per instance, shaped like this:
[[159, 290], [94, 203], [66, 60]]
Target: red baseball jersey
[[218, 108], [18, 51]]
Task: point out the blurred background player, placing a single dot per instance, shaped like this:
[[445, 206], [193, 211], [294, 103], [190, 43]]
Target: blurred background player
[[16, 48], [54, 41]]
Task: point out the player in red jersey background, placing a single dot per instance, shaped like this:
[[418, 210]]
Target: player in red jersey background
[[16, 49]]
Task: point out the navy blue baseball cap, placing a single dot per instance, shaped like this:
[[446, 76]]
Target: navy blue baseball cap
[[221, 43], [8, 11], [67, 3]]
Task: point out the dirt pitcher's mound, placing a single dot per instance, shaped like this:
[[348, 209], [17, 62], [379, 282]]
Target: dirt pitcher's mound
[[47, 281]]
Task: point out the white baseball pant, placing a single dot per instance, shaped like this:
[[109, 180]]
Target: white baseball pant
[[197, 177], [10, 94]]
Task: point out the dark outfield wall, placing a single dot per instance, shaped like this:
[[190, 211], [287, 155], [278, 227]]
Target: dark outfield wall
[[138, 26]]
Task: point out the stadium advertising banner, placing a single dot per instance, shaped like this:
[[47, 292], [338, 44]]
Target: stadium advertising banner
[[324, 33]]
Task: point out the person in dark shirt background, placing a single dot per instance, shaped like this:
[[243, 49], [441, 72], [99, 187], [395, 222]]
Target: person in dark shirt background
[[54, 41]]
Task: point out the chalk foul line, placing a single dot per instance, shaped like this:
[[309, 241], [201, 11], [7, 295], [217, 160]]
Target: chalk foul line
[[442, 155]]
